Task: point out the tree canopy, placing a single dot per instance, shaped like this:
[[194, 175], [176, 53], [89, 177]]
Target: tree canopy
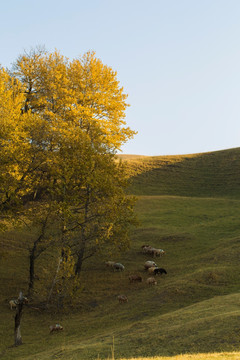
[[62, 123]]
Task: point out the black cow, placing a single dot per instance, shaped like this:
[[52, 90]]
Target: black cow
[[159, 271]]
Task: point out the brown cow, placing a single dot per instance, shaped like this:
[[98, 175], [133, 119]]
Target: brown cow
[[122, 299], [151, 281], [56, 327], [135, 278]]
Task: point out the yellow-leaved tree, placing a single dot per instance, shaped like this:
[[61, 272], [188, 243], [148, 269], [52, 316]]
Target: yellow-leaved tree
[[72, 122], [11, 135]]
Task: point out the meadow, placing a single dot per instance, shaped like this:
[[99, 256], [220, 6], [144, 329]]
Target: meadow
[[189, 206]]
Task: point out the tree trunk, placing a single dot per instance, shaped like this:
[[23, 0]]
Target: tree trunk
[[17, 332], [31, 270], [33, 256], [79, 260], [54, 280], [80, 253]]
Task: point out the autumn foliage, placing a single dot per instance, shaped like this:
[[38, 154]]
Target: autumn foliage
[[61, 124]]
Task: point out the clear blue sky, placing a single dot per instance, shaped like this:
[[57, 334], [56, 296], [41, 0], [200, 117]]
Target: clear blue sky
[[179, 61]]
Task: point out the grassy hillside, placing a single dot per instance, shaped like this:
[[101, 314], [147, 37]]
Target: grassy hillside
[[205, 175], [193, 309], [205, 356]]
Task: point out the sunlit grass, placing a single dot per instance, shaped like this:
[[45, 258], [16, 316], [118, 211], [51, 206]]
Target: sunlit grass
[[194, 309], [204, 175], [210, 356]]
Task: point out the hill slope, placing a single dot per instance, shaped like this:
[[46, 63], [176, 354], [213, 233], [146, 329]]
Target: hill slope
[[194, 308], [205, 175]]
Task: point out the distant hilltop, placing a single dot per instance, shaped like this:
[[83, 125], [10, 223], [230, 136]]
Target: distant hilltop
[[135, 156], [210, 174]]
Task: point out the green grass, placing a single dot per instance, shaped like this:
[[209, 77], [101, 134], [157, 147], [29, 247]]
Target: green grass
[[205, 356], [194, 309], [204, 175]]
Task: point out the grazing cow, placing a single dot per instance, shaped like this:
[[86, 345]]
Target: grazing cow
[[135, 278], [151, 269], [149, 264], [151, 281], [159, 271], [158, 252], [122, 299], [13, 303], [145, 248], [118, 267], [56, 327]]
